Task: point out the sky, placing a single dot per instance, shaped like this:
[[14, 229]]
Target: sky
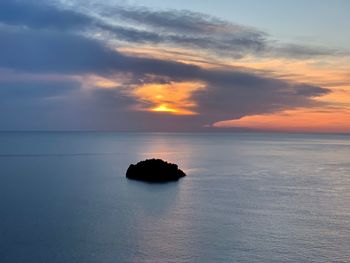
[[185, 65]]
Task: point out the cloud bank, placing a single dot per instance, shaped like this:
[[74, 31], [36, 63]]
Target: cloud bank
[[39, 40]]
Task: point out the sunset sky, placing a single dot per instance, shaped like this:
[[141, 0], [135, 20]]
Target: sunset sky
[[185, 65]]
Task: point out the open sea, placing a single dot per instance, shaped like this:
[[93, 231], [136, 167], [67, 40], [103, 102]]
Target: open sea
[[248, 197]]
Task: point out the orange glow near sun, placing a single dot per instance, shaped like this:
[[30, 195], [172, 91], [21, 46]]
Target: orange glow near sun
[[164, 108], [171, 97]]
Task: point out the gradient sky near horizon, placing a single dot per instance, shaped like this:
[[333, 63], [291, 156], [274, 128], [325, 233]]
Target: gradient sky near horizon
[[181, 65]]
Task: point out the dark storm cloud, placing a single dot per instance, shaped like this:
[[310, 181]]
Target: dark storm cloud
[[40, 15], [172, 27], [46, 39], [253, 95], [193, 29], [51, 51], [229, 93], [180, 21], [141, 25], [131, 35], [46, 51], [37, 14]]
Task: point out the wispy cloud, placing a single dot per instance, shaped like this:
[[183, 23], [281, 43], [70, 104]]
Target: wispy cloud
[[137, 25]]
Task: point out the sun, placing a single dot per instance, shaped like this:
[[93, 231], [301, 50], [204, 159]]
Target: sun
[[164, 108], [170, 97]]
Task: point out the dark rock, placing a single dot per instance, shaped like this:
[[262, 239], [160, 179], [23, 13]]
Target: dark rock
[[154, 170]]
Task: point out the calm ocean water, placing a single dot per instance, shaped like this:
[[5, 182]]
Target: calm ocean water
[[248, 197]]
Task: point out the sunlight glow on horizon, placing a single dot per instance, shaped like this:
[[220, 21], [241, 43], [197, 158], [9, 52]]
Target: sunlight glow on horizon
[[298, 120]]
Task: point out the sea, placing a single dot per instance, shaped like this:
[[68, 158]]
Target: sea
[[247, 197]]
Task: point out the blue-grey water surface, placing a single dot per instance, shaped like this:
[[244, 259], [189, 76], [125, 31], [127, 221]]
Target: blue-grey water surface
[[248, 197]]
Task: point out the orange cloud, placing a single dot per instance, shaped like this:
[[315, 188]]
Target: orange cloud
[[172, 97]]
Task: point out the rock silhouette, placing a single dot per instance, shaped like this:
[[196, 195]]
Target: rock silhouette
[[154, 170]]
